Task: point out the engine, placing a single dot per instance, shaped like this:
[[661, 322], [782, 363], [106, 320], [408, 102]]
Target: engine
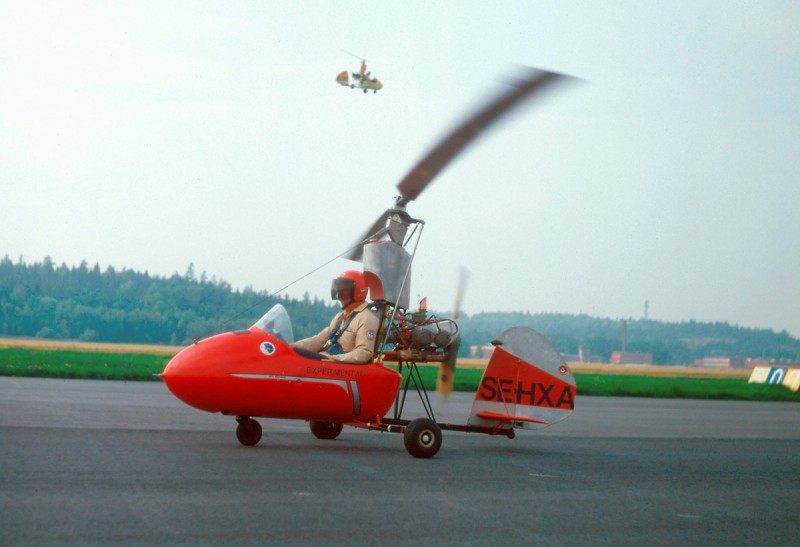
[[436, 332], [417, 331]]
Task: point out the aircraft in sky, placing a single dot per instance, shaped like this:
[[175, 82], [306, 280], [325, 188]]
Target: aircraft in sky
[[362, 79]]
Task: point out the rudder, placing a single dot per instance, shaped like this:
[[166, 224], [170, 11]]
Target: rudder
[[526, 384]]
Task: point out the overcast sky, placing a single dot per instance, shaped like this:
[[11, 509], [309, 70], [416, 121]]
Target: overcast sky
[[152, 135]]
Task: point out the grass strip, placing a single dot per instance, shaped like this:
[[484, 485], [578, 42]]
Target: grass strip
[[624, 385], [80, 365], [619, 385], [137, 366]]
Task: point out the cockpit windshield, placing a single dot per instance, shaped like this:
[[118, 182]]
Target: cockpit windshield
[[276, 322]]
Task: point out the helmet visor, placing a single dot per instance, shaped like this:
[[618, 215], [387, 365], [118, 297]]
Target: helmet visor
[[342, 283]]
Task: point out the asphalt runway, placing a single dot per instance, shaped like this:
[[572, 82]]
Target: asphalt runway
[[95, 462]]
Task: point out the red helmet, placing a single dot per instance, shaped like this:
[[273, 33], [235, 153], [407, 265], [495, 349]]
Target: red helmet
[[351, 279]]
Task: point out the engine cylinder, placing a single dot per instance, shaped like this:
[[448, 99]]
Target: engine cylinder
[[421, 337], [437, 333]]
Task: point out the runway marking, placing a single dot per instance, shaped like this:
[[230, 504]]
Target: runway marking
[[679, 515], [302, 494], [542, 475]]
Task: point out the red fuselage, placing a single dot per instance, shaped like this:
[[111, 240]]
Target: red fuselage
[[253, 373]]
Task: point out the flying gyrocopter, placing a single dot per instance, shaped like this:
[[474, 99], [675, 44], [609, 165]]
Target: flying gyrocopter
[[257, 373], [359, 80]]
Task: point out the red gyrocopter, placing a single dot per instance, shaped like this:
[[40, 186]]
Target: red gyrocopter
[[257, 373]]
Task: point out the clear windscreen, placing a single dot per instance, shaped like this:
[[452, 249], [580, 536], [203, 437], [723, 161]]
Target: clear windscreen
[[276, 322]]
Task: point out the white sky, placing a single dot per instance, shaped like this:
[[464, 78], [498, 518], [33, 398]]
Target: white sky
[[149, 135]]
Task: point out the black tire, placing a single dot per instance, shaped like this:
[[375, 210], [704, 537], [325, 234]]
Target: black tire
[[423, 438], [325, 430], [248, 431]]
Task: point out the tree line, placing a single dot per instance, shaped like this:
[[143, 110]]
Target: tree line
[[44, 300], [669, 343], [86, 303]]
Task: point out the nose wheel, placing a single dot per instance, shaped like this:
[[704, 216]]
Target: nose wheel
[[248, 431]]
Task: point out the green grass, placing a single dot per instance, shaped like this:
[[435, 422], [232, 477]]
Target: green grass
[[130, 366], [81, 365], [623, 385], [681, 388]]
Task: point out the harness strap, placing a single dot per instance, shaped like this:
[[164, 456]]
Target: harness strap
[[339, 328]]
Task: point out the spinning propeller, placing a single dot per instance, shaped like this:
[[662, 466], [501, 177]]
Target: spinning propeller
[[447, 370], [422, 174]]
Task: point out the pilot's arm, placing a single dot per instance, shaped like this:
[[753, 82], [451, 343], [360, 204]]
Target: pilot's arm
[[313, 343], [318, 341]]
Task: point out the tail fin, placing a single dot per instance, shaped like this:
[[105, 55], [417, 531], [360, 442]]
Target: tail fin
[[526, 384]]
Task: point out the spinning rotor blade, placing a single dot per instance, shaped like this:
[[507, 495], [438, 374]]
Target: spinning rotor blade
[[354, 55], [421, 175], [432, 164]]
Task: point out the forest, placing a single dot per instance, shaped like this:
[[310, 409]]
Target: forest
[[44, 300]]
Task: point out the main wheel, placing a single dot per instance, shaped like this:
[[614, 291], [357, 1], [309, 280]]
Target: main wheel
[[423, 438], [248, 431], [325, 430]]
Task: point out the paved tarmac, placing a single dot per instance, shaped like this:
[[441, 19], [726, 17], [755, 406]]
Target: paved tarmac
[[124, 463]]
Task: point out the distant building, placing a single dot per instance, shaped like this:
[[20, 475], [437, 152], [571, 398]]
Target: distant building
[[631, 358], [739, 363], [481, 352], [581, 358], [753, 363], [719, 362], [485, 352]]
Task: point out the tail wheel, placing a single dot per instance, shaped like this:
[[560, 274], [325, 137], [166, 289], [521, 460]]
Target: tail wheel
[[423, 438], [325, 430], [248, 431]]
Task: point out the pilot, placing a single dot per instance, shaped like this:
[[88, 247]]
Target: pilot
[[350, 338]]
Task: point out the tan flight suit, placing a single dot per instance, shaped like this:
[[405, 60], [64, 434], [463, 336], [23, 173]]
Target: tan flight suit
[[357, 341]]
